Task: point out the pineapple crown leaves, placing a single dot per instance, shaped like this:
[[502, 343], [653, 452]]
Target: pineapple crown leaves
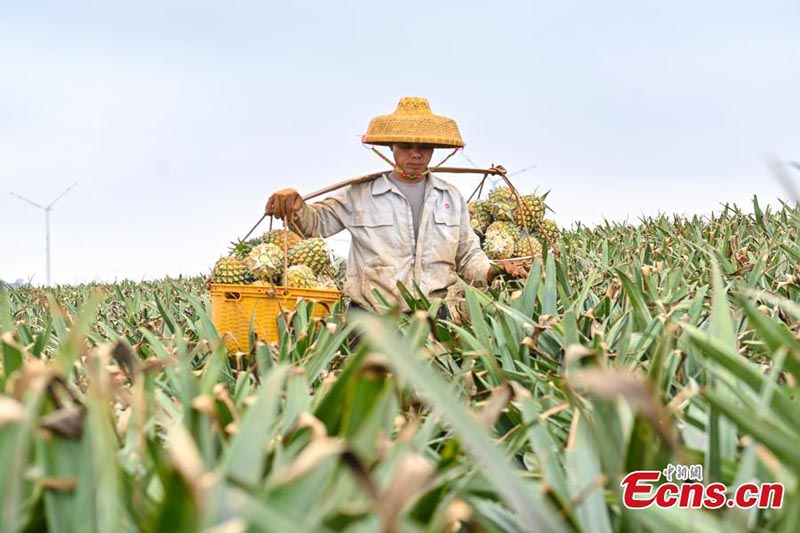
[[240, 247]]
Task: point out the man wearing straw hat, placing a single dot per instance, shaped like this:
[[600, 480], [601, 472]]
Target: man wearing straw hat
[[407, 225]]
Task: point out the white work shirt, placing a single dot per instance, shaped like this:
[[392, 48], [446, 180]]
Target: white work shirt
[[414, 193], [383, 249]]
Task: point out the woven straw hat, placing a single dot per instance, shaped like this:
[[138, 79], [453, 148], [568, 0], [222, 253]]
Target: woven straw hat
[[413, 122]]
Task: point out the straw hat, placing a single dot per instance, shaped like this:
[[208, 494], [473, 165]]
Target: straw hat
[[413, 122]]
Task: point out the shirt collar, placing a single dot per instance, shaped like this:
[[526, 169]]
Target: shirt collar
[[383, 185]]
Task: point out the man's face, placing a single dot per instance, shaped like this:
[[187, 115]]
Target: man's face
[[412, 158]]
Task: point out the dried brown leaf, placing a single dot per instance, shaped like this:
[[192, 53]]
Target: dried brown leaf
[[494, 406], [186, 458], [610, 384], [307, 420], [10, 411], [123, 354], [67, 423], [58, 483], [413, 474], [311, 456]]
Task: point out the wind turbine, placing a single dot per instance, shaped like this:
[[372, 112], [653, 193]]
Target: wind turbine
[[47, 209]]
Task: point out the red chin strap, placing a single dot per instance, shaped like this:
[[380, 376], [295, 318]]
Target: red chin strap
[[402, 173]]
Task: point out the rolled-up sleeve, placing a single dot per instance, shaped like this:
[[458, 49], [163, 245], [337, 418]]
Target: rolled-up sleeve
[[327, 217], [472, 264]]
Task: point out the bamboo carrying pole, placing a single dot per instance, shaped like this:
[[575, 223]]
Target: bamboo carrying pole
[[493, 171]]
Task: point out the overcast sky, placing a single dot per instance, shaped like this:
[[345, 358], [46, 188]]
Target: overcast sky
[[178, 119]]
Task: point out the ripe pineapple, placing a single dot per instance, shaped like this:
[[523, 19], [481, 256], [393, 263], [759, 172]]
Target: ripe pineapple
[[312, 253], [501, 240], [499, 245], [278, 236], [231, 270], [266, 262], [531, 213], [548, 232], [327, 283], [503, 226], [301, 276], [502, 203], [527, 247], [480, 216]]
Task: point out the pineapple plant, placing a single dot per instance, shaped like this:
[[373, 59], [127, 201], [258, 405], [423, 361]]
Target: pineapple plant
[[137, 407], [265, 261]]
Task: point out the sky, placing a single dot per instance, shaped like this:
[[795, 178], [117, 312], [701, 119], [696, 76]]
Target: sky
[[179, 119]]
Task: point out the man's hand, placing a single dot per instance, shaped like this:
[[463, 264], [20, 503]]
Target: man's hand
[[284, 204], [505, 268]]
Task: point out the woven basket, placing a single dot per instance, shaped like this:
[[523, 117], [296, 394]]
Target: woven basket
[[234, 306]]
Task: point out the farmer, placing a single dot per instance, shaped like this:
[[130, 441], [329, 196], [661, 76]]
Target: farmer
[[407, 225]]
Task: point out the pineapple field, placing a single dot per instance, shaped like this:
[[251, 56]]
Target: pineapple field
[[629, 347]]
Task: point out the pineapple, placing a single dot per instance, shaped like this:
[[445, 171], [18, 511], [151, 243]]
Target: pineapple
[[503, 226], [327, 283], [313, 254], [278, 236], [266, 262], [480, 216], [499, 245], [501, 236], [231, 270], [502, 203], [527, 247], [531, 213], [548, 232], [301, 276]]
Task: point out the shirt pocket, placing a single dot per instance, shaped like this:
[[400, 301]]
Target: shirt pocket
[[374, 236], [372, 219], [382, 279], [445, 235]]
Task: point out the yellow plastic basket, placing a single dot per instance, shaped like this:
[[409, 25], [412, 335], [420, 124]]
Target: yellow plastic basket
[[233, 306]]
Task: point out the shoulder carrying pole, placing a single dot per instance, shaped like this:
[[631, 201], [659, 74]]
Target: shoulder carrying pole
[[494, 171]]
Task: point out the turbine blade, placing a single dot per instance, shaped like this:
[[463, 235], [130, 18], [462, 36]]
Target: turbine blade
[[34, 204], [60, 196], [471, 162], [521, 170]]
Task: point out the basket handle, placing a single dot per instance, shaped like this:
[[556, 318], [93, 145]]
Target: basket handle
[[232, 296]]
